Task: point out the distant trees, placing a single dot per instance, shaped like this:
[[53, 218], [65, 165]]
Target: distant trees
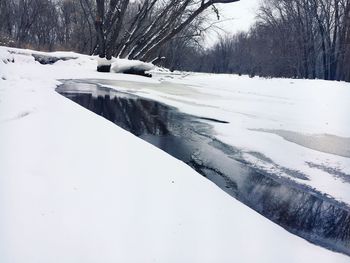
[[319, 29], [292, 38], [46, 24], [25, 20]]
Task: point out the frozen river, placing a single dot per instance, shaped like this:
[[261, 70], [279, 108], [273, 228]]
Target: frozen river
[[297, 207]]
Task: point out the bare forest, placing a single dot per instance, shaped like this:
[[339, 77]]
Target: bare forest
[[290, 38]]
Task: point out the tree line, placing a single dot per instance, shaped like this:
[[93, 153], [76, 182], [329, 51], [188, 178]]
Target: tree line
[[291, 38], [122, 28]]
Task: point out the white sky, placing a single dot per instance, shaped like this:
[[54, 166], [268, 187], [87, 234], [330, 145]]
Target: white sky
[[240, 16]]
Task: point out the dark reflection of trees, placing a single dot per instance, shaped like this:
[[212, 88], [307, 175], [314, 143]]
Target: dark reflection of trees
[[300, 211], [303, 213], [135, 115]]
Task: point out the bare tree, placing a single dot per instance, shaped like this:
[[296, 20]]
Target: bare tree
[[145, 31]]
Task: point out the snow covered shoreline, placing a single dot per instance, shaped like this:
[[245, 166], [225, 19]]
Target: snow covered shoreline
[[76, 188]]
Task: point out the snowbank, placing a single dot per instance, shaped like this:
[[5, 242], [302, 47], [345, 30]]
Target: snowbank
[[76, 188], [5, 57]]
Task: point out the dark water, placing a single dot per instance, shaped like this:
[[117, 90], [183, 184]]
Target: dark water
[[299, 209]]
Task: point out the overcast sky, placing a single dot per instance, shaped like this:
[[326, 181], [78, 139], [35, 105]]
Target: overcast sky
[[240, 16]]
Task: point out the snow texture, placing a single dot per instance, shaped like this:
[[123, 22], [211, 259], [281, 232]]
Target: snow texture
[[77, 188]]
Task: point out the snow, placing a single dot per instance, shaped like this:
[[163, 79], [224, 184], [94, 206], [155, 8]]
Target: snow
[[123, 65], [103, 61], [77, 188], [120, 65]]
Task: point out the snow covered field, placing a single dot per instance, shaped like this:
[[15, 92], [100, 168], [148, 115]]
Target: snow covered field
[[76, 188]]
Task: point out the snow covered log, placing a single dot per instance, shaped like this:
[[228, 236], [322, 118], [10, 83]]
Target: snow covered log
[[43, 58], [49, 60], [135, 67]]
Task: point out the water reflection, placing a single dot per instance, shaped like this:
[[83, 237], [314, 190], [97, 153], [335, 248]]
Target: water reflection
[[297, 208]]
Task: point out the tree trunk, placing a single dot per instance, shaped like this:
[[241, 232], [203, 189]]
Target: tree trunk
[[334, 56], [103, 64]]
